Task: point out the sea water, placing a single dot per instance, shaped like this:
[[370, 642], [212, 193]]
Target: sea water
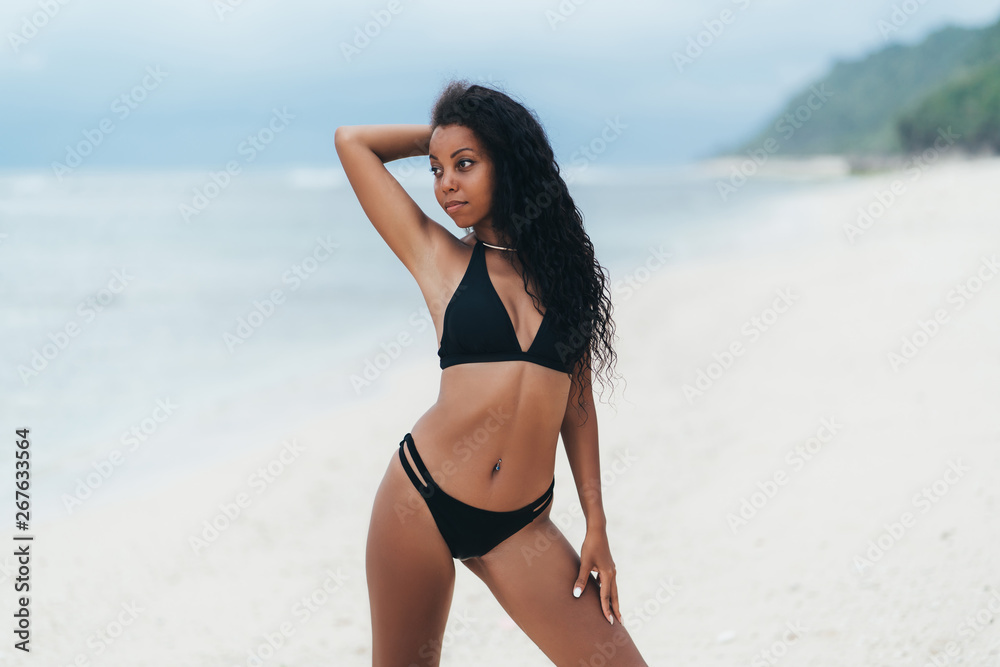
[[172, 315]]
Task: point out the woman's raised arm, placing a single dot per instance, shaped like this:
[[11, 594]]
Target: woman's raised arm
[[363, 150]]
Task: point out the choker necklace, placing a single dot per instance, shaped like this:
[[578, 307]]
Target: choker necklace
[[498, 247]]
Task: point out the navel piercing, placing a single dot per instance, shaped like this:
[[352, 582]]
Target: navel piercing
[[498, 464]]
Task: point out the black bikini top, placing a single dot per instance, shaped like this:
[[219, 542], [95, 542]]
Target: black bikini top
[[477, 327]]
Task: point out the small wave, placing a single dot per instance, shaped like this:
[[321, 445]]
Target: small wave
[[316, 179]]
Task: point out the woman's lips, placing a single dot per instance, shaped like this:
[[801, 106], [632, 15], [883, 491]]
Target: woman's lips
[[451, 208]]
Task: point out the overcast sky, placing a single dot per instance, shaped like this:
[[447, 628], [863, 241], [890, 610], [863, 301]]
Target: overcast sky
[[225, 65]]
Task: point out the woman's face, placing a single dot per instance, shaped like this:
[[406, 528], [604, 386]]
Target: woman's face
[[462, 173]]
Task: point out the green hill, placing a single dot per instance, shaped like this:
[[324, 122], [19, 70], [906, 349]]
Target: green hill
[[896, 99], [969, 105]]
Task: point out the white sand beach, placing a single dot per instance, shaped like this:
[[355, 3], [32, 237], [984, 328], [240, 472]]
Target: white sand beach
[[824, 493]]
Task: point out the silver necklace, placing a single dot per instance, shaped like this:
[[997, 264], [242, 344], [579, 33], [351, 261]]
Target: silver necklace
[[498, 247]]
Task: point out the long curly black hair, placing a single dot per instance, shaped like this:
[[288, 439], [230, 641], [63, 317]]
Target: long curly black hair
[[533, 212]]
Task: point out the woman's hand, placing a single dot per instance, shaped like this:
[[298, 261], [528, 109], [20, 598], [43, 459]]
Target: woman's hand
[[595, 556]]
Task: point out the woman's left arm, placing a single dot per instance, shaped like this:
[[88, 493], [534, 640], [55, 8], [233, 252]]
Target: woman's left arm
[[579, 434]]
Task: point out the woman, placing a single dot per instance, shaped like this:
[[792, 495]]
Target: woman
[[520, 307]]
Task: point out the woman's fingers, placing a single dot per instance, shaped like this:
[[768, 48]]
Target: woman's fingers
[[607, 585], [581, 581], [601, 565], [614, 601]]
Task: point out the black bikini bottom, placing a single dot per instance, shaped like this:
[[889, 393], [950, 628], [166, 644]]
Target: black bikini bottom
[[468, 531]]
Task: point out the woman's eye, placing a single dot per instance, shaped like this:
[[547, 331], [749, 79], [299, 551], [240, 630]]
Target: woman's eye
[[461, 163]]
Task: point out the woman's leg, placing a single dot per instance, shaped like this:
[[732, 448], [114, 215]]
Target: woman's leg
[[411, 575], [531, 574]]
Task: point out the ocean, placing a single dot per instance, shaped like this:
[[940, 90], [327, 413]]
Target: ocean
[[154, 322]]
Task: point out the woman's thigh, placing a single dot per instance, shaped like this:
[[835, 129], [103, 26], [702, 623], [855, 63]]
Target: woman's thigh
[[410, 573], [532, 575]]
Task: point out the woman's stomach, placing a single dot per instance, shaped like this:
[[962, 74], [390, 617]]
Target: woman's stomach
[[490, 439]]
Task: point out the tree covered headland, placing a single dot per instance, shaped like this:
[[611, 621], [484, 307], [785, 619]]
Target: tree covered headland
[[898, 100]]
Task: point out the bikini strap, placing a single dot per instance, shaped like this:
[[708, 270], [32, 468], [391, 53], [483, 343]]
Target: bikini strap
[[416, 460], [481, 271], [538, 509]]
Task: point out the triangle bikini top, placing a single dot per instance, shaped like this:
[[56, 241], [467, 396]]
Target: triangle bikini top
[[477, 328]]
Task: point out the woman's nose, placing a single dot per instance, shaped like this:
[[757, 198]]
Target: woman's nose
[[448, 182]]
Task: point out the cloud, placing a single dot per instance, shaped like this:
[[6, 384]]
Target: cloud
[[576, 62]]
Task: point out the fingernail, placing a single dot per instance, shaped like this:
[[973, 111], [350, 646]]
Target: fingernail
[[577, 591], [612, 619]]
